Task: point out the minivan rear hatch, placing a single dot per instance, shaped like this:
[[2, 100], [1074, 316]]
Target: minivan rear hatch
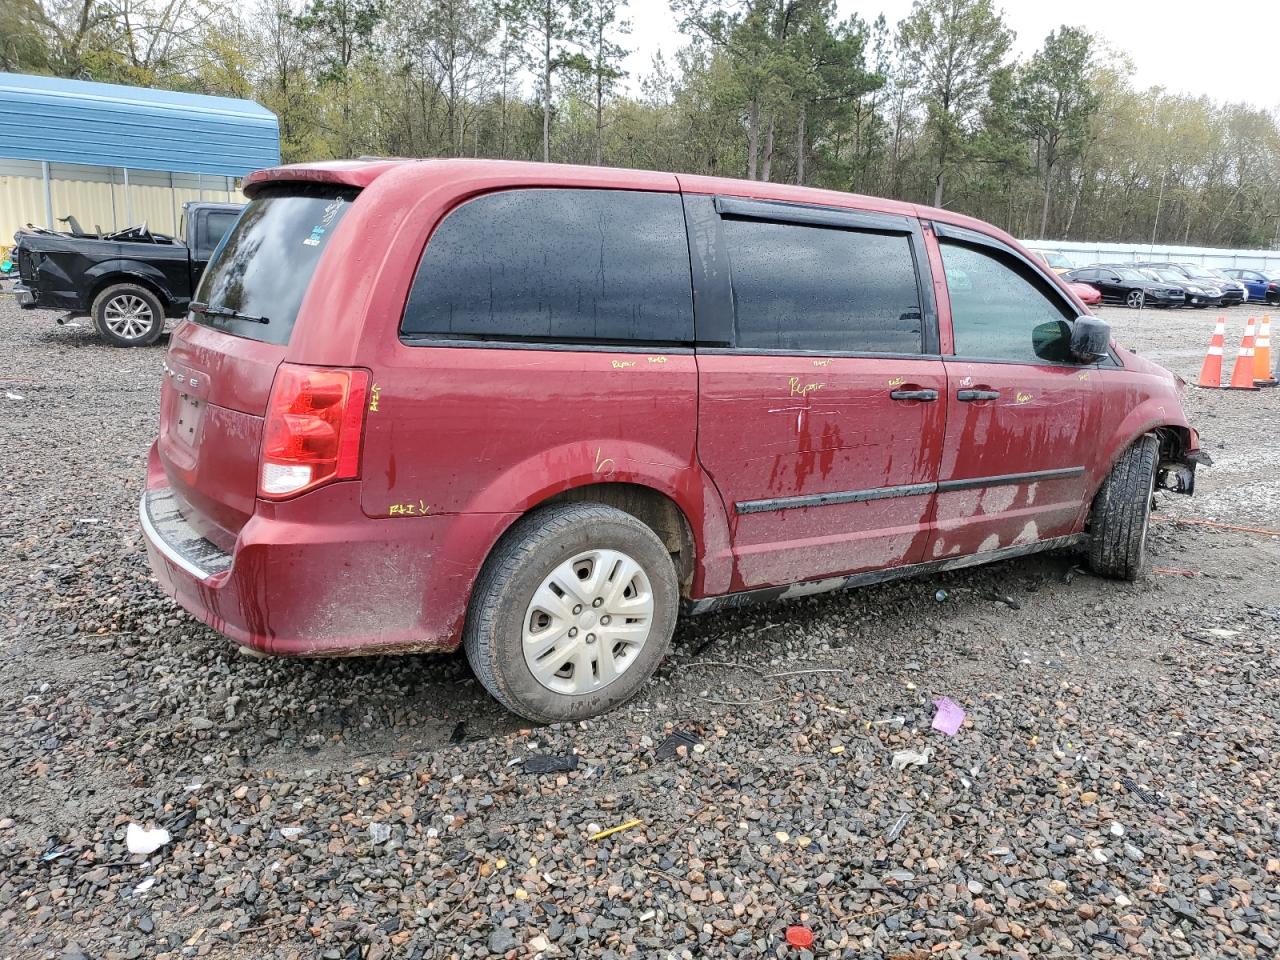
[[222, 361]]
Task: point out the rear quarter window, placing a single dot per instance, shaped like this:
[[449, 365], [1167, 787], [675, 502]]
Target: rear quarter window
[[563, 266]]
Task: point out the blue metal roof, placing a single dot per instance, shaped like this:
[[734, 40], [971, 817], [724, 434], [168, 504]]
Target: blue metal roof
[[72, 121]]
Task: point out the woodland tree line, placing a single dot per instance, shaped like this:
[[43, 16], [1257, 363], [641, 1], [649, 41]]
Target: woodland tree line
[[934, 109]]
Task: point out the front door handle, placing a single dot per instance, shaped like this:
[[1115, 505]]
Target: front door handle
[[926, 395], [971, 395]]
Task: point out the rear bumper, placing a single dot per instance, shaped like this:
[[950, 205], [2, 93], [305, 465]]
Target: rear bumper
[[296, 585], [25, 296]]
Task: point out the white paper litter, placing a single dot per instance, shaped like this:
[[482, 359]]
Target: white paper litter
[[140, 840], [910, 758]]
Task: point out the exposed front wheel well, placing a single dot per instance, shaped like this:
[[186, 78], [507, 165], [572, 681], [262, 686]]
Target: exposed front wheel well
[[656, 510]]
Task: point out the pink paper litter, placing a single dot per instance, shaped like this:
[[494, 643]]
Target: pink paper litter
[[949, 716]]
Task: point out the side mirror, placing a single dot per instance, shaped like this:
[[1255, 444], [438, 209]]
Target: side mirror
[[1090, 339]]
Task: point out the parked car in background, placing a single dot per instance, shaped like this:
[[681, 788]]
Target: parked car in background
[[1089, 295], [1229, 283], [534, 410], [1260, 286], [1232, 294], [1199, 294], [1119, 283], [1058, 262], [128, 281]]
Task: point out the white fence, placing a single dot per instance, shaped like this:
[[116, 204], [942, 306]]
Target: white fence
[[1083, 254]]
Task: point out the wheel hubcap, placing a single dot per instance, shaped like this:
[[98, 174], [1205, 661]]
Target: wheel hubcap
[[128, 316], [587, 622], [1135, 299]]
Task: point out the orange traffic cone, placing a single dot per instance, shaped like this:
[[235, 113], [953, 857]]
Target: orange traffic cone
[[1242, 371], [1262, 375], [1211, 371]]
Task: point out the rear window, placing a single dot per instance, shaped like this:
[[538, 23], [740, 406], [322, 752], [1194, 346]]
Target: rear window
[[265, 264], [556, 266]]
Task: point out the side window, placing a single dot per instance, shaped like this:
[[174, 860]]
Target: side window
[[1085, 275], [548, 265], [822, 289], [1003, 312], [216, 225]]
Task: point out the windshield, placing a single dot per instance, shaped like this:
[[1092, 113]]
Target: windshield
[[1128, 273], [1168, 276], [1271, 274], [258, 275], [1059, 261]]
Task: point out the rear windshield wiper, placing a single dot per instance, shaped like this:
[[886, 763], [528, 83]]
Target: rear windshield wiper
[[198, 307]]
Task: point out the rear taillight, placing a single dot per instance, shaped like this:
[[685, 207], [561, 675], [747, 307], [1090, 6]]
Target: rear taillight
[[313, 428]]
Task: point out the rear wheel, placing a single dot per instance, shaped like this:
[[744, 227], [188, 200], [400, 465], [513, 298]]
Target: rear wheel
[[572, 613], [127, 315], [1122, 512], [1135, 299]]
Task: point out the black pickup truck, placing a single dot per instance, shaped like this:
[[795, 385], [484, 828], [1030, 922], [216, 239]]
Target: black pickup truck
[[127, 281]]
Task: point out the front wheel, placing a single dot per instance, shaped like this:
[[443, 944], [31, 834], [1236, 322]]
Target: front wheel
[[127, 315], [572, 613], [1122, 512], [1134, 299]]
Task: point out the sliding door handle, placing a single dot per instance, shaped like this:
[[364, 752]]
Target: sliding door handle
[[971, 395], [926, 395]]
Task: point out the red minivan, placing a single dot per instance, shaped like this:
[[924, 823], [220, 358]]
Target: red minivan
[[537, 410]]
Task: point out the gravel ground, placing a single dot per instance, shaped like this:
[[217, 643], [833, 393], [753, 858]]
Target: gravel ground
[[1113, 790]]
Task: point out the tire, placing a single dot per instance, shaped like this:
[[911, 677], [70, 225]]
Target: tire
[[1121, 514], [127, 315], [1135, 299], [541, 551]]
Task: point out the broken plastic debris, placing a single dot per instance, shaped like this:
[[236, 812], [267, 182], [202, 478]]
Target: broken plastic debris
[[910, 758], [140, 840], [800, 937], [895, 722], [618, 829], [378, 832], [1007, 600], [145, 885], [941, 595], [896, 830], [681, 738], [10, 395], [290, 833], [949, 716], [901, 876], [550, 763]]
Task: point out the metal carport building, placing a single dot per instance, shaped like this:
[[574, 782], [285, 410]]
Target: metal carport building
[[115, 156]]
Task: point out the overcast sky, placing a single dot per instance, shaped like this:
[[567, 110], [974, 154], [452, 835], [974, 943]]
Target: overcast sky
[[1227, 49]]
